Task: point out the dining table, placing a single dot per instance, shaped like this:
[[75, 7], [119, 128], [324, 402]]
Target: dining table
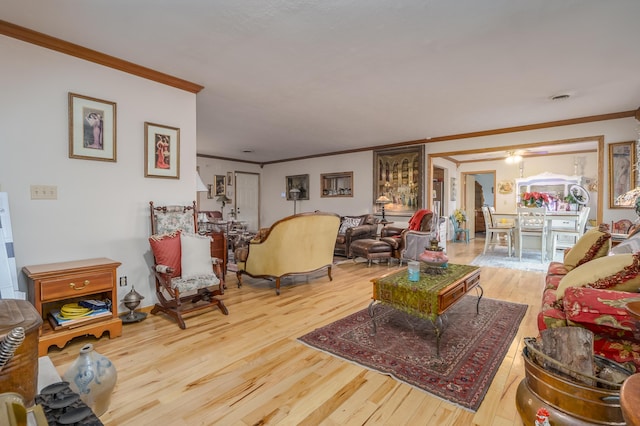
[[555, 219]]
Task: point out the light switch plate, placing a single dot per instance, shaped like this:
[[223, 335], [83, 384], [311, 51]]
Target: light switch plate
[[44, 192]]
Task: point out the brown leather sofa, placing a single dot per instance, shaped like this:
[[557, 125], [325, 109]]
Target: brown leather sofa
[[354, 228]]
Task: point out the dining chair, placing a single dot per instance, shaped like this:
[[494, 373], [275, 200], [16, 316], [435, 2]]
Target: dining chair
[[495, 230], [532, 222], [574, 231]]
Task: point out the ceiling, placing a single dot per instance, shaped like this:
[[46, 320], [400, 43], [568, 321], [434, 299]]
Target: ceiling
[[293, 78]]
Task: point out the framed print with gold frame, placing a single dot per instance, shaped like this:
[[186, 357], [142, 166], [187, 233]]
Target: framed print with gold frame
[[399, 175], [92, 128], [622, 160], [161, 151]]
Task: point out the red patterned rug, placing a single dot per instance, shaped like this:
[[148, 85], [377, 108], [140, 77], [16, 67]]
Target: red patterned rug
[[471, 348]]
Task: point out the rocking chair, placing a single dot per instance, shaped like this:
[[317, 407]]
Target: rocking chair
[[187, 277]]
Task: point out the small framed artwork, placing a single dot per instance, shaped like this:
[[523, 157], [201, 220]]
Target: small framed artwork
[[229, 178], [454, 189], [300, 182], [505, 187], [219, 185], [210, 191], [92, 128], [622, 158], [161, 151]]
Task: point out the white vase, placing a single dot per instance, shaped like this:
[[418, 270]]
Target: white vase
[[93, 377]]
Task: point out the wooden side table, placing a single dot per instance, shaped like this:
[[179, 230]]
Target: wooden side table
[[219, 248], [52, 285]]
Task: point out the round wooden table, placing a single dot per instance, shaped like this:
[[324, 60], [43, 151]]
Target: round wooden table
[[630, 400]]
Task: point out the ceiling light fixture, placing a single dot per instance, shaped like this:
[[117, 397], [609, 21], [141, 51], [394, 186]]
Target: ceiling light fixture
[[513, 157]]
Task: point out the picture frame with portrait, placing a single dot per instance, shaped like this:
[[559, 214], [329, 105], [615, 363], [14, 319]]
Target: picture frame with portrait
[[219, 185], [92, 128], [162, 151]]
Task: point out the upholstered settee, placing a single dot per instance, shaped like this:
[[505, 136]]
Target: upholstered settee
[[354, 228], [295, 245], [590, 289]]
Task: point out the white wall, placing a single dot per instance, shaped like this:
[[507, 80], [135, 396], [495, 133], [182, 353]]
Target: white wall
[[102, 208], [209, 167]]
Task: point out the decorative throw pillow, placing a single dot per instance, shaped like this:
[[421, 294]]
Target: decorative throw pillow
[[196, 255], [166, 251], [592, 245], [349, 222], [617, 272]]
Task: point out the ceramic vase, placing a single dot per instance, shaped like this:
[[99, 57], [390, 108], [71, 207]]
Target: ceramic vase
[[93, 377]]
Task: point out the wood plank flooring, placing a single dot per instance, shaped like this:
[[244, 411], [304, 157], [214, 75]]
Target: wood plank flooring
[[248, 369]]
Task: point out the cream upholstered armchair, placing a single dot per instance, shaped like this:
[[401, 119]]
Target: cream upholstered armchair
[[295, 245], [187, 277]]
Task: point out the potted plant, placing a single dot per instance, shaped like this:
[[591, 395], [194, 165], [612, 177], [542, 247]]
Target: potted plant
[[534, 199]]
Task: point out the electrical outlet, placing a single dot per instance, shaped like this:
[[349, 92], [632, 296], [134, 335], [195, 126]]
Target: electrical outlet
[[44, 192], [123, 281]]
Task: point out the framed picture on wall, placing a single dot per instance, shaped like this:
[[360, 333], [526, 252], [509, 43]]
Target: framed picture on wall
[[219, 185], [229, 178], [162, 151], [399, 175], [92, 128], [622, 158], [299, 182]]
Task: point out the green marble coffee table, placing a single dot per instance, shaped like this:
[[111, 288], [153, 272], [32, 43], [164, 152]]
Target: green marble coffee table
[[428, 298]]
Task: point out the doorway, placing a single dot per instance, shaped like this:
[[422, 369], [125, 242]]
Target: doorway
[[246, 202], [479, 190]]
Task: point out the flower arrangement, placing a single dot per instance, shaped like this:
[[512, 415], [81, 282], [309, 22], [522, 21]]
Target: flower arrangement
[[534, 199], [459, 215]]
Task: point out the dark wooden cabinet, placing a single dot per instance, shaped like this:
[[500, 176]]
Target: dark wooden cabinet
[[479, 221], [219, 249]]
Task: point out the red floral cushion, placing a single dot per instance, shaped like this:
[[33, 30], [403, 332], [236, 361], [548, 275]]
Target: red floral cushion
[[167, 251], [557, 268], [552, 281], [622, 351], [601, 311]]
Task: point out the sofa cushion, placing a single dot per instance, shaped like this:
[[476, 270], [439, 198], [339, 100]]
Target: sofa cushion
[[616, 272], [557, 268], [349, 222], [592, 245], [196, 255], [166, 251], [601, 311]]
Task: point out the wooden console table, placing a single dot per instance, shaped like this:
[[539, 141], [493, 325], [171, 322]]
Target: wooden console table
[[52, 285], [428, 298]]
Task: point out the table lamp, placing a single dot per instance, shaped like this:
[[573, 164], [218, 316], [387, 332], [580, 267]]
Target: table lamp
[[295, 193], [382, 200], [224, 200]]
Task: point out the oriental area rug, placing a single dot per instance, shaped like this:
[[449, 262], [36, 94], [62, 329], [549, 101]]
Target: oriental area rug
[[472, 346]]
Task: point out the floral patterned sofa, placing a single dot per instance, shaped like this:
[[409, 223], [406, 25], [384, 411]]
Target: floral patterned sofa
[[590, 289]]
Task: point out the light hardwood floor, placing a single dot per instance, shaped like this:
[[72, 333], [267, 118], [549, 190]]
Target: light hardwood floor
[[248, 369]]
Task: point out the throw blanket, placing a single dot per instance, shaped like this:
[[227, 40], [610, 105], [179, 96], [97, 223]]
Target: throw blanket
[[416, 219]]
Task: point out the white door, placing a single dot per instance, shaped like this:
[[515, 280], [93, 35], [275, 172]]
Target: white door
[[470, 204], [246, 201]]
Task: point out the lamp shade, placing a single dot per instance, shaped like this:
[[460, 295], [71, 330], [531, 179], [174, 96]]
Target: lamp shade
[[383, 200], [200, 186]]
